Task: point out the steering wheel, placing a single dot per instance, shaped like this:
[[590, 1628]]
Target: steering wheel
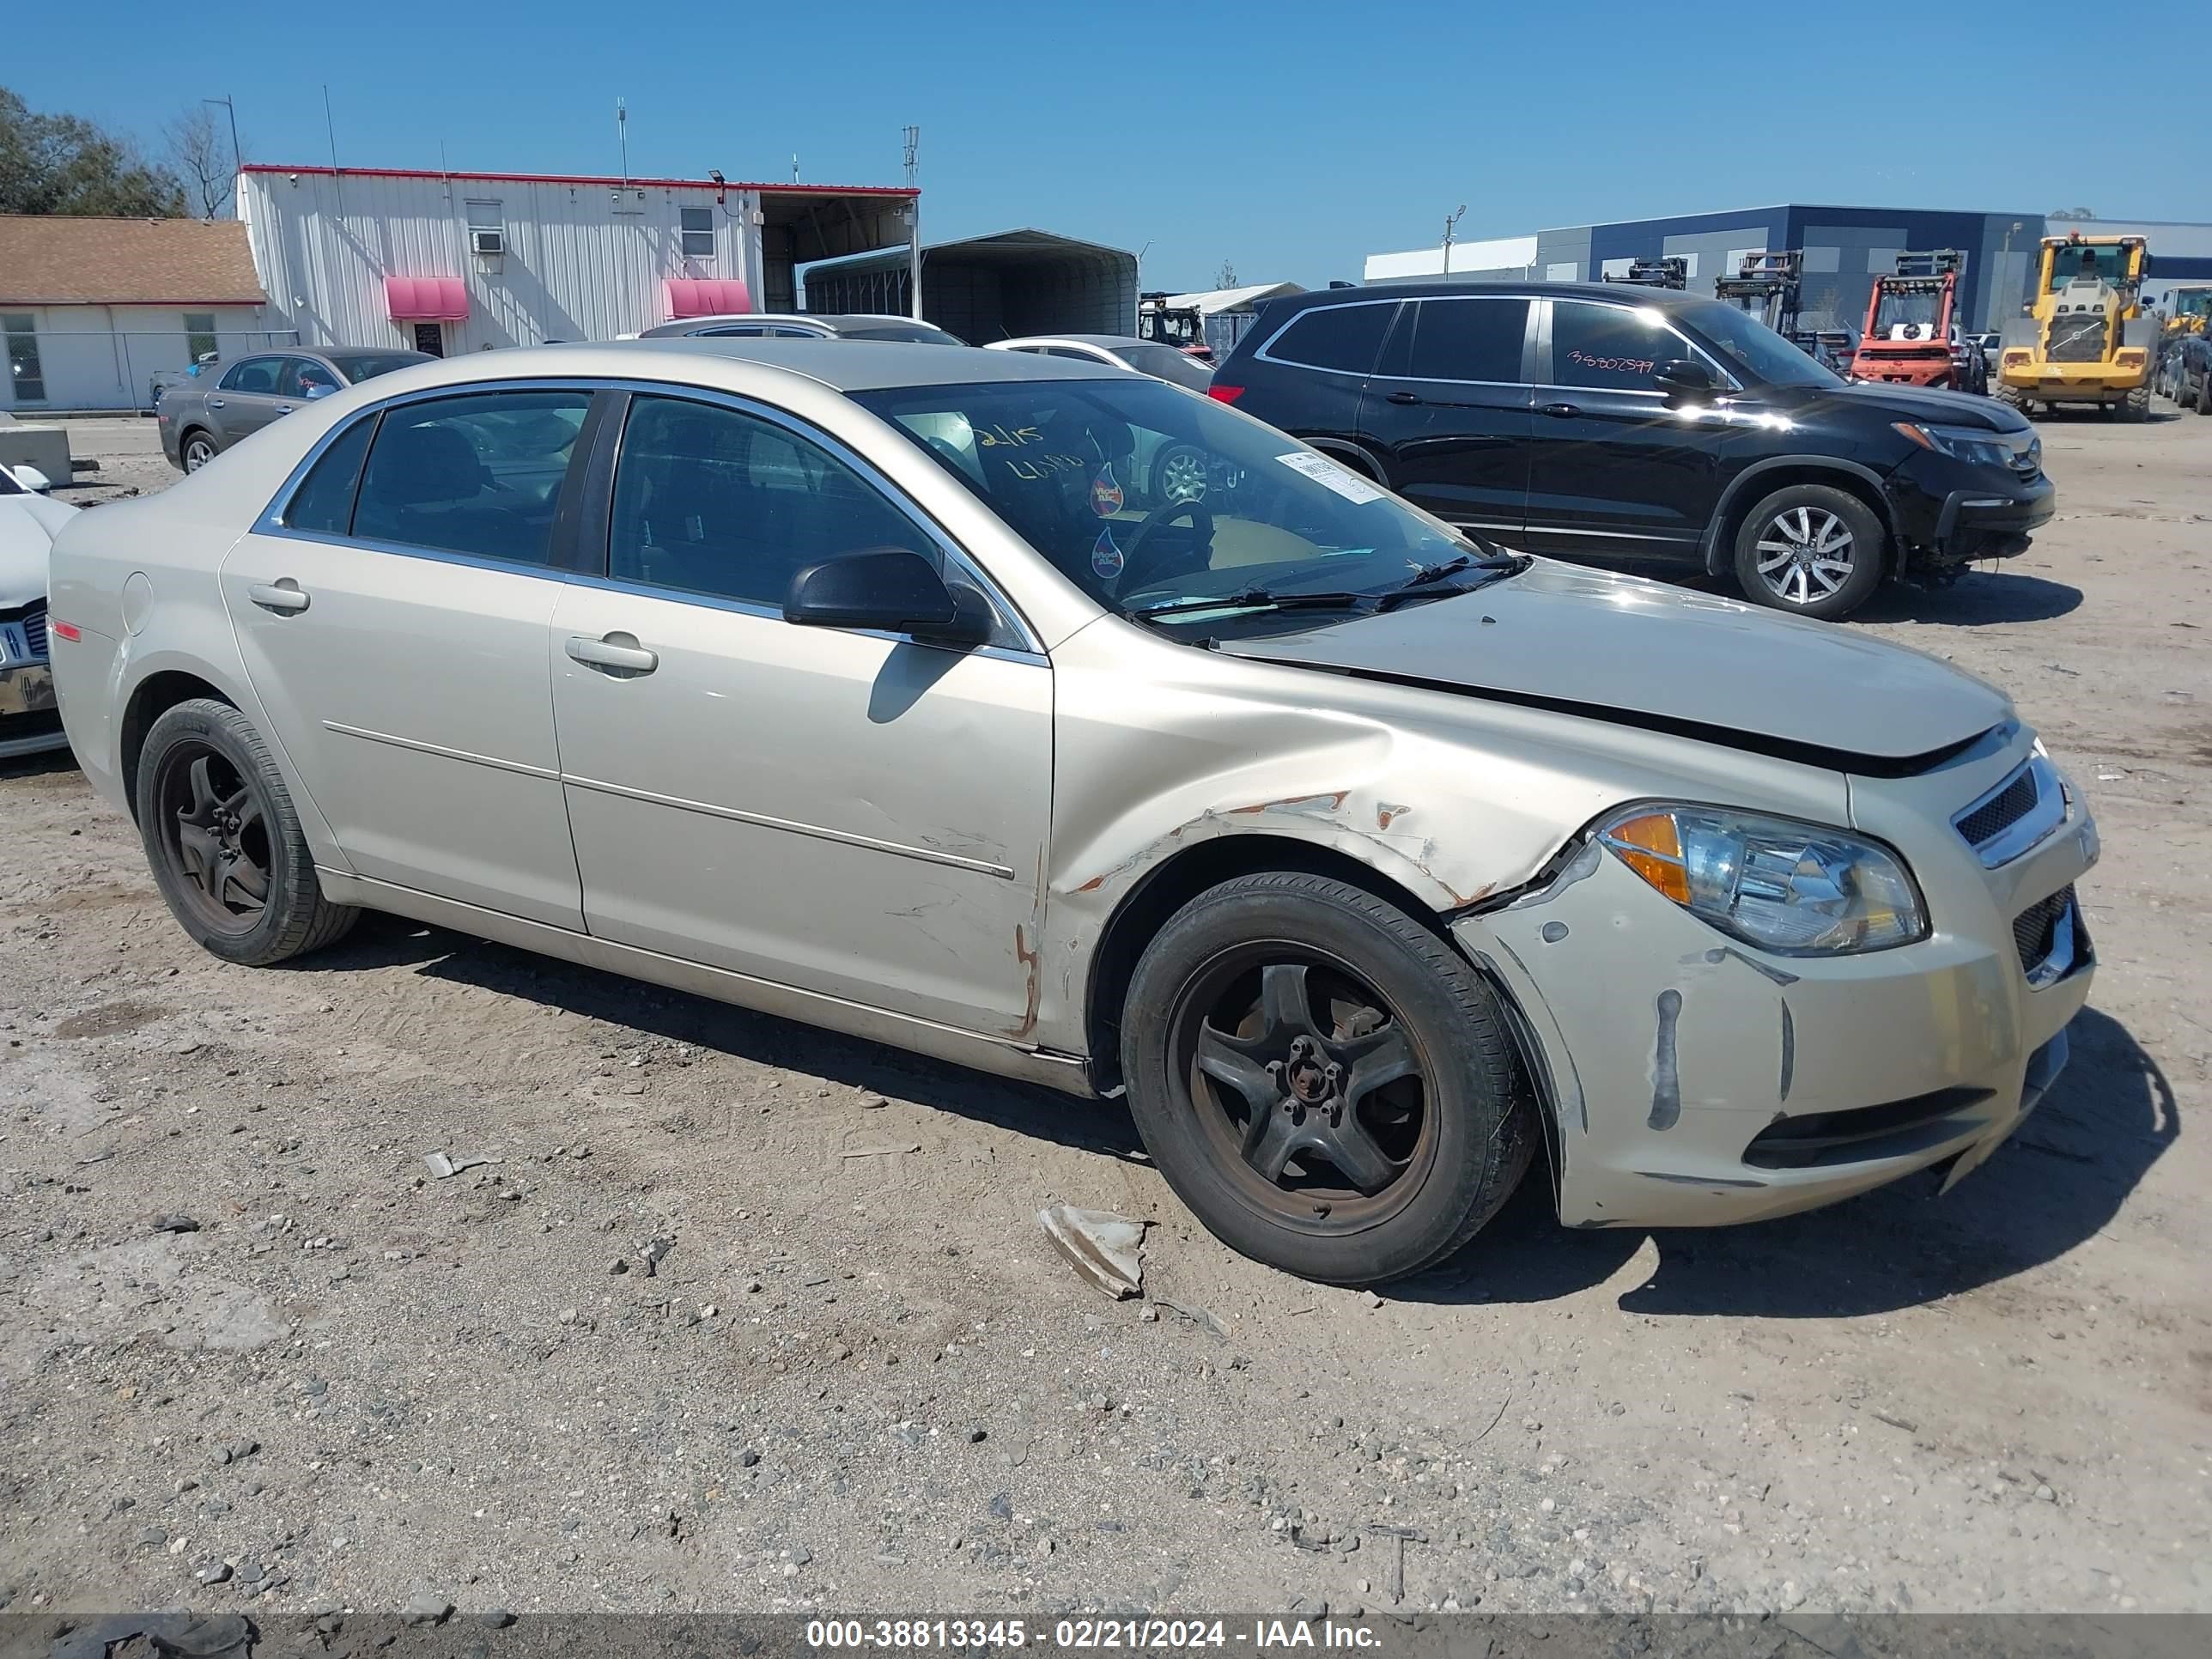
[[1201, 524]]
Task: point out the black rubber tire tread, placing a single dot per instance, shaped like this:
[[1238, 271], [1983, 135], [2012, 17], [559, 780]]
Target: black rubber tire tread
[[2136, 406], [2203, 393], [1869, 539], [1488, 1123], [2014, 398], [297, 918]]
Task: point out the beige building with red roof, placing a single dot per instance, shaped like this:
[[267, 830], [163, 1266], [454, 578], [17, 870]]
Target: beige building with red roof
[[92, 311]]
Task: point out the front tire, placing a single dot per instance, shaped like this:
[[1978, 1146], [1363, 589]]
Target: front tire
[[1324, 1080], [2013, 398], [2136, 406], [2203, 393], [1810, 549], [224, 843]]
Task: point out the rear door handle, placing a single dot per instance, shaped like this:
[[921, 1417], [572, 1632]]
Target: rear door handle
[[284, 408], [612, 652], [1565, 411], [214, 403], [282, 597], [1402, 398]]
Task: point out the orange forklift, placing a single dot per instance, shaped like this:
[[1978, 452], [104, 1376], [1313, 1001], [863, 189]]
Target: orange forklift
[[1912, 335]]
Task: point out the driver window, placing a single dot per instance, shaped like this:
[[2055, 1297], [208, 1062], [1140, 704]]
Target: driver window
[[714, 501]]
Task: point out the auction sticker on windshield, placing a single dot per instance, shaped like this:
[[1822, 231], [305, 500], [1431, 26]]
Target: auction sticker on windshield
[[1329, 476]]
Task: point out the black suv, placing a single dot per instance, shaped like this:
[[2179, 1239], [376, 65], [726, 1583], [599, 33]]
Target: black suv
[[1647, 426]]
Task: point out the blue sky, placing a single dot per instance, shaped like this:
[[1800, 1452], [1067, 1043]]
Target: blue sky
[[1289, 140]]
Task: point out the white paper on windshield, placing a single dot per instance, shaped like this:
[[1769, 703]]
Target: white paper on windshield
[[1329, 476]]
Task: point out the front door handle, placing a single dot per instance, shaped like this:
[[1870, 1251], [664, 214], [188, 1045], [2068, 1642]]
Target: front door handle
[[1402, 398], [615, 651], [284, 408], [1565, 411], [283, 596]]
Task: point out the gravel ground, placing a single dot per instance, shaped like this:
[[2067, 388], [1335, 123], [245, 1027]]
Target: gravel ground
[[736, 1314]]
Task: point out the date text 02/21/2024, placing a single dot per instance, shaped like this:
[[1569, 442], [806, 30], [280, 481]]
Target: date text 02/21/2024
[[1088, 1634]]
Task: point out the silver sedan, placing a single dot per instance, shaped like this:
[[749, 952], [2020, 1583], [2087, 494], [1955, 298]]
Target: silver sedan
[[868, 686]]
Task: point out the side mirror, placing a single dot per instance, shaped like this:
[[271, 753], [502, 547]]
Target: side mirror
[[34, 480], [1682, 377], [884, 589]]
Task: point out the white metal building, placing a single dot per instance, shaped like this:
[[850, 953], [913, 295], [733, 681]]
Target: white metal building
[[450, 262]]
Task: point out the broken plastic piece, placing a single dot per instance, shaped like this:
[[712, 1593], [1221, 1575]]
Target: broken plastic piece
[[1099, 1245]]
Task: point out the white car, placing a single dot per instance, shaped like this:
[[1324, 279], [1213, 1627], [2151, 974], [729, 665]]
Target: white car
[[29, 521]]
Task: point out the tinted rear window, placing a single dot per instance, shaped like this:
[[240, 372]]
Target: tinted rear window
[[1344, 337], [324, 500], [359, 366], [1470, 340]]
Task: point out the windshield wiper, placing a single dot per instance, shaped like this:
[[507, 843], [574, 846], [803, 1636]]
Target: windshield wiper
[[1259, 599], [1422, 584]]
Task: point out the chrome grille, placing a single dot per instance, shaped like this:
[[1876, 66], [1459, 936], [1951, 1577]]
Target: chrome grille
[[2001, 811]]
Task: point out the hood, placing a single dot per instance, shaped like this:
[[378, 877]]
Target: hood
[[1619, 647], [28, 524], [1928, 405]]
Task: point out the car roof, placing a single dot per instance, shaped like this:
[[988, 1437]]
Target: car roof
[[846, 365], [1624, 293], [1102, 342]]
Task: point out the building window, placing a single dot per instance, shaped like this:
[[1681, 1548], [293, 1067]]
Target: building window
[[199, 336], [698, 233], [27, 380]]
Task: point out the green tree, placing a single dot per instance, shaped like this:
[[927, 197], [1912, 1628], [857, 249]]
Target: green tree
[[65, 164]]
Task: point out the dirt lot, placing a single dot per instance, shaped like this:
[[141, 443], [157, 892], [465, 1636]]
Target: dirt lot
[[857, 1376]]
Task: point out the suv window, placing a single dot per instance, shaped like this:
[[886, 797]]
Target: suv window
[[324, 500], [711, 500], [1470, 340], [1609, 347], [255, 374], [1344, 337], [478, 473]]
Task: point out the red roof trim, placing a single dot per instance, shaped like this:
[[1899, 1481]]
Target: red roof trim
[[586, 179], [234, 303]]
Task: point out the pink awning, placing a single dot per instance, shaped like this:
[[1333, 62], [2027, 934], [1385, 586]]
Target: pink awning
[[707, 296], [426, 299]]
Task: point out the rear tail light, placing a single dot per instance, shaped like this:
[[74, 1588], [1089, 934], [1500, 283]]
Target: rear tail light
[[1225, 394], [62, 630]]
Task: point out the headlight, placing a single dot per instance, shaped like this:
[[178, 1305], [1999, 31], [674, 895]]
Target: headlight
[[1794, 889], [1961, 443]]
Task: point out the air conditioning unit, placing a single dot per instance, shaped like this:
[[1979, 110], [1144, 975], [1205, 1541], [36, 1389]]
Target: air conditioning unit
[[488, 242]]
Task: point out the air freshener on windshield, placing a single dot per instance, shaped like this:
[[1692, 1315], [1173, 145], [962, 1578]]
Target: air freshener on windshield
[[1105, 557], [1106, 496]]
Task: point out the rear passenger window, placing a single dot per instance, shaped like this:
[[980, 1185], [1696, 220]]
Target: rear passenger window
[[1609, 347], [1470, 340], [1344, 337], [255, 374], [477, 474], [712, 501], [324, 501]]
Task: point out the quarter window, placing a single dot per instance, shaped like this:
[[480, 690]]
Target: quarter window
[[255, 374], [324, 501], [714, 501], [698, 231], [1344, 337], [478, 474], [1470, 340], [1609, 347]]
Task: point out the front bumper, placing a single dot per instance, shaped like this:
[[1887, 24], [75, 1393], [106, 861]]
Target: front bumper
[[1693, 1081], [1949, 514], [30, 720]]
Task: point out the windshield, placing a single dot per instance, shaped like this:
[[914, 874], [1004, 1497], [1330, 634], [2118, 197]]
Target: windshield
[[1164, 362], [1146, 496], [2069, 262], [359, 366], [1751, 348]]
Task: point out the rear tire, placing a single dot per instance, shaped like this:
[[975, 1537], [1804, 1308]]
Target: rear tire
[[1246, 1027], [1822, 550], [2136, 406], [194, 450], [2204, 392], [224, 843], [2015, 398]]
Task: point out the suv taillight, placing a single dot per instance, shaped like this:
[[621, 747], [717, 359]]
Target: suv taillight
[[1225, 394]]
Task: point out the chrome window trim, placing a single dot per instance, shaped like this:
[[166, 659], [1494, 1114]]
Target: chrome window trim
[[2029, 831], [1264, 354], [1731, 383], [1529, 300], [270, 521]]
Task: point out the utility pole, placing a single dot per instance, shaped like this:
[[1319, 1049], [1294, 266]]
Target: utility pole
[[621, 134], [236, 160], [1449, 222], [913, 137]]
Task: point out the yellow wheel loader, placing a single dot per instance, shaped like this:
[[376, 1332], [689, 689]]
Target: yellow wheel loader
[[2084, 340]]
